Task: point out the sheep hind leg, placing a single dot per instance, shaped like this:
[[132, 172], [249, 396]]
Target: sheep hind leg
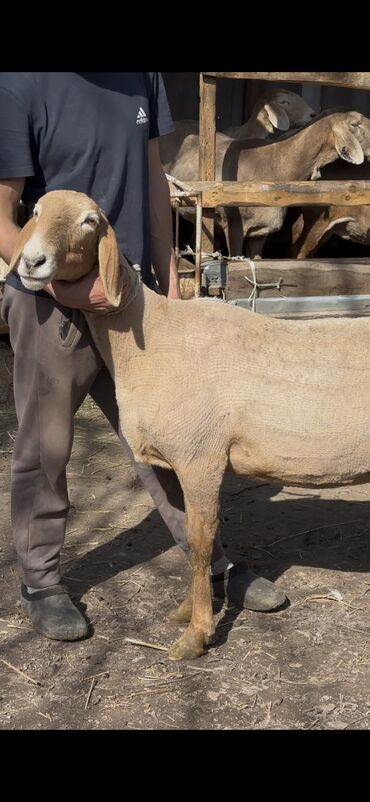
[[201, 529], [182, 613]]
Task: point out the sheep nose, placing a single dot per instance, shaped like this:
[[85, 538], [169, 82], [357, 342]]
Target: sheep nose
[[37, 261]]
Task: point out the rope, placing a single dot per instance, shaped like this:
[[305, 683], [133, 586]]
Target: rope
[[216, 255], [256, 286]]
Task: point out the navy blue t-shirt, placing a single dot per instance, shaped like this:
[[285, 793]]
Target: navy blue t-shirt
[[89, 132]]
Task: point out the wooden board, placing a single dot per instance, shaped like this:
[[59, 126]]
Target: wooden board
[[311, 277], [289, 193], [185, 266], [350, 80], [207, 151]]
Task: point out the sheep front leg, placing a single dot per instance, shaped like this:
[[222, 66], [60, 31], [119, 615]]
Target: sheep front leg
[[314, 235], [233, 227], [255, 247], [201, 530]]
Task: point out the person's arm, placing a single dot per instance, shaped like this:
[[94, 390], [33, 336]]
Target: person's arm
[[10, 194], [161, 237]]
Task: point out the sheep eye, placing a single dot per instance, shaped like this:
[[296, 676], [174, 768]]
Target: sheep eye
[[355, 125], [35, 213], [90, 220]]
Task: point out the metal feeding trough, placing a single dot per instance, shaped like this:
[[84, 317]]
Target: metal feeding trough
[[279, 289]]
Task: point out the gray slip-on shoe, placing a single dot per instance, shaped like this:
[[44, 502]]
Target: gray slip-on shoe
[[242, 587], [53, 614]]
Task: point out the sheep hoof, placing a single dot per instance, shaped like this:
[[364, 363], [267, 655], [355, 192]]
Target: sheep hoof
[[182, 613], [188, 647]]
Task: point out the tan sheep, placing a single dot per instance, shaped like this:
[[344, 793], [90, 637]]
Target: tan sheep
[[315, 225], [283, 401], [275, 111], [294, 157]]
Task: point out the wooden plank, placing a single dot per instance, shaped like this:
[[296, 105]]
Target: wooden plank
[[207, 128], [309, 277], [290, 193], [207, 151], [185, 266], [350, 80]]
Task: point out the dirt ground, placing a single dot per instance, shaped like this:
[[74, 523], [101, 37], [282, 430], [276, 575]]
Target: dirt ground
[[305, 667]]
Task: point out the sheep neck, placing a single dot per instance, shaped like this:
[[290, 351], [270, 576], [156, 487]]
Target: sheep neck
[[134, 282], [294, 158], [125, 335]]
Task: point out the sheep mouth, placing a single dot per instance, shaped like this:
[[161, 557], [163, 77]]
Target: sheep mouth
[[38, 277], [32, 283]]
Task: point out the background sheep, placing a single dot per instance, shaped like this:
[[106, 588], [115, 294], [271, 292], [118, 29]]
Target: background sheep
[[285, 401], [294, 157], [276, 110], [317, 224]]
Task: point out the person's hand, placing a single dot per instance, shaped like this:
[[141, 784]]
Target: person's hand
[[86, 293]]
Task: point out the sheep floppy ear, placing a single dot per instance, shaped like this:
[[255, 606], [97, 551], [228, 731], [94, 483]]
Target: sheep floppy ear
[[277, 115], [23, 237], [346, 145], [339, 221], [110, 264]]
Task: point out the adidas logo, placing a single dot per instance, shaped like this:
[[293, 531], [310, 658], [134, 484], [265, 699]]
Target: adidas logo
[[141, 117]]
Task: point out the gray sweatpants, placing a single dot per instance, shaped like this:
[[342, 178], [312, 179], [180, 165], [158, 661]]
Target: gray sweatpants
[[56, 364]]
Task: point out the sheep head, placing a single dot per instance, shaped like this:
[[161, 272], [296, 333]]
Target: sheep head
[[283, 110], [351, 135], [67, 237]]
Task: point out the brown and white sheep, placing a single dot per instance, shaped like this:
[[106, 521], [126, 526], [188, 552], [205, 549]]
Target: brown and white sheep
[[284, 401]]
